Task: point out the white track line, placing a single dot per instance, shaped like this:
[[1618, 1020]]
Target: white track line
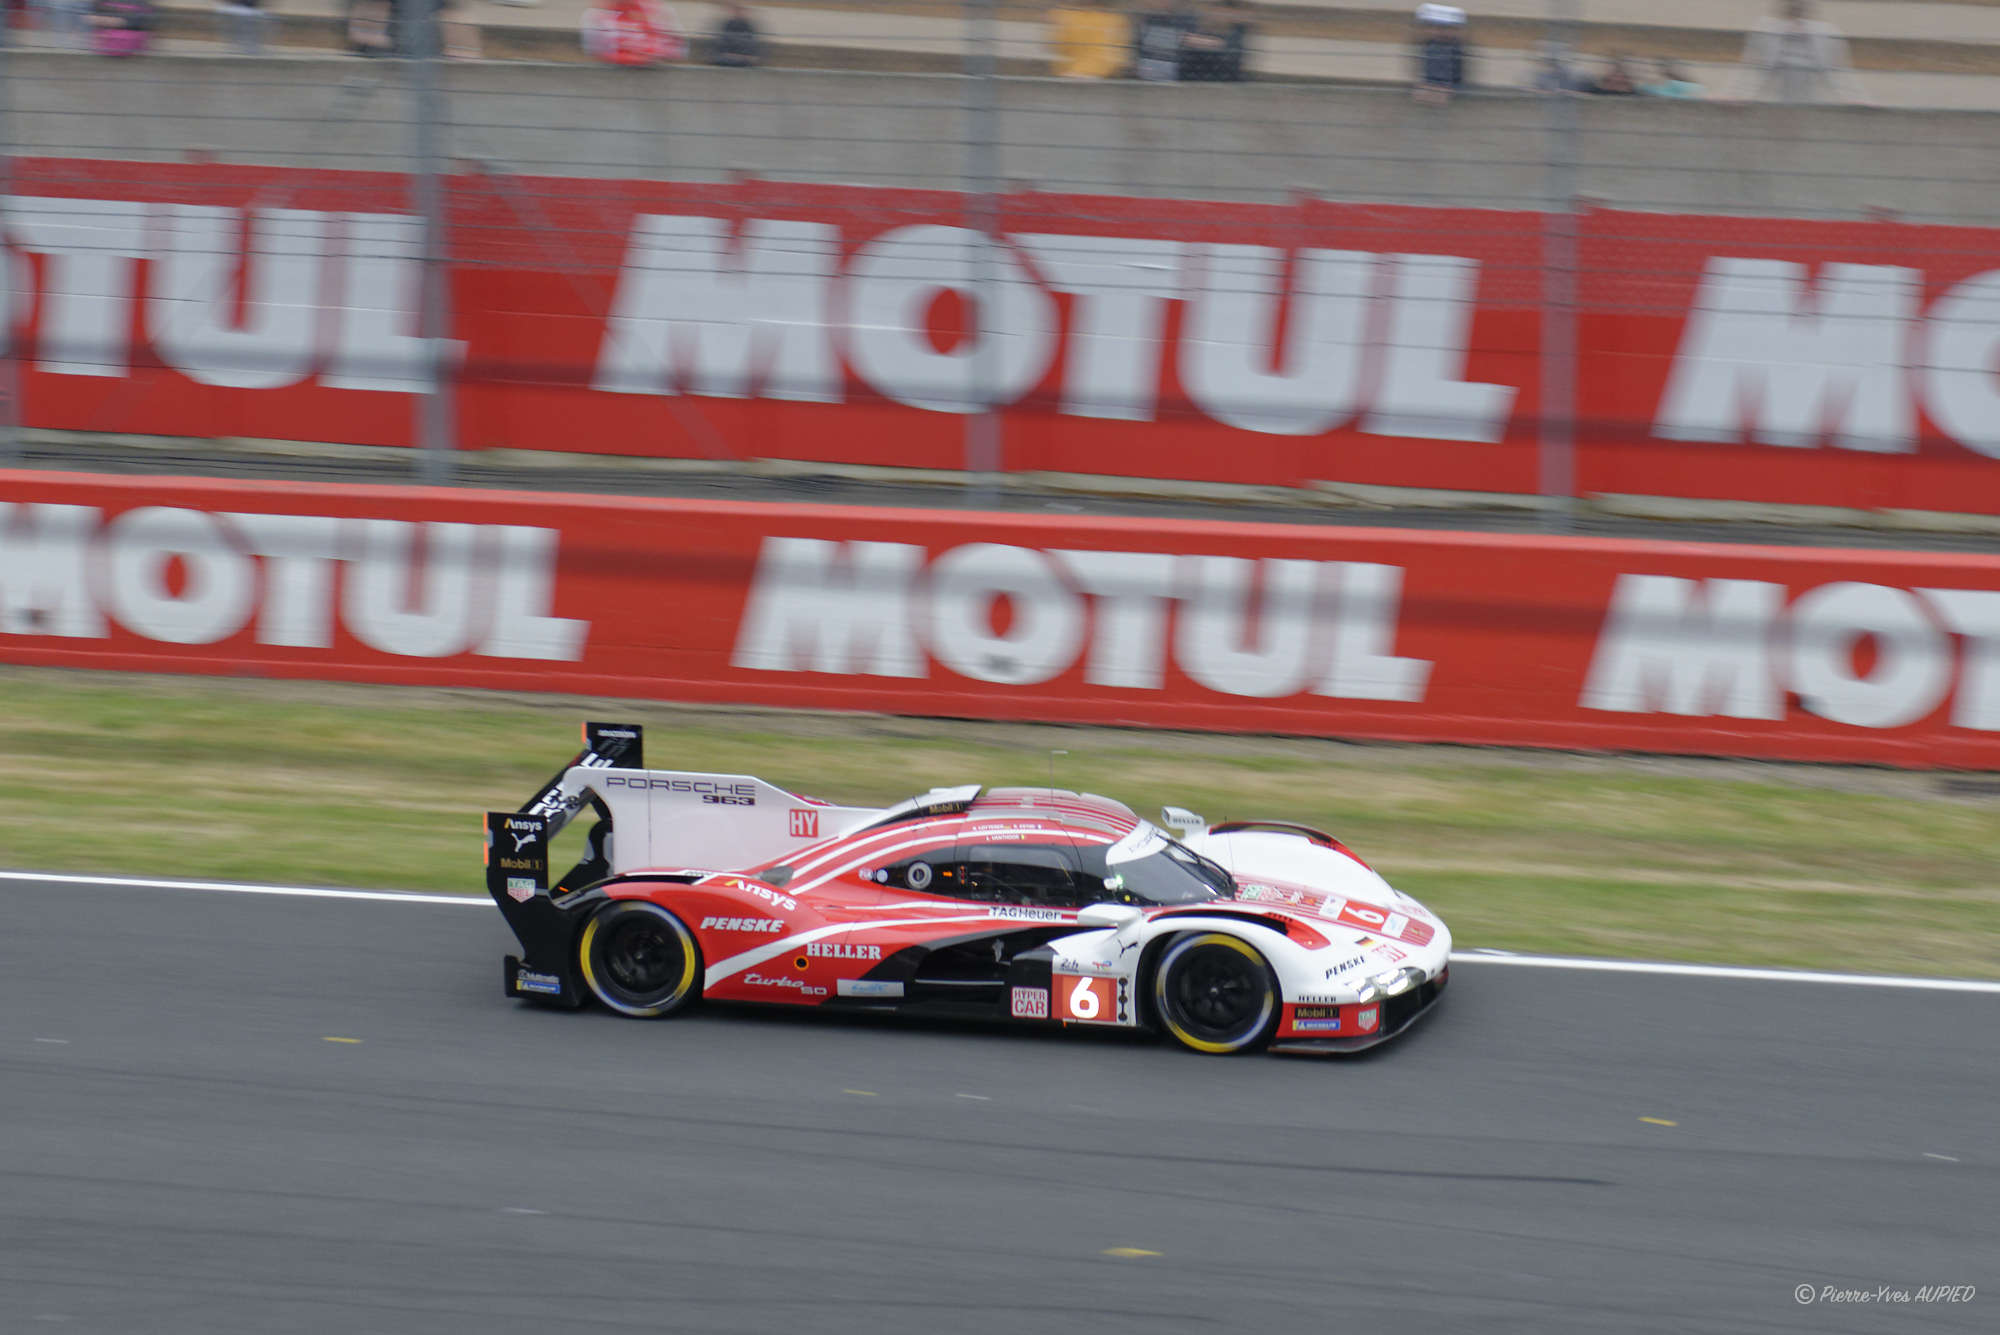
[[235, 888], [1461, 957], [1728, 971]]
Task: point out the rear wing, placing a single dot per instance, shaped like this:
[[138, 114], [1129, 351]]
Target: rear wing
[[651, 819], [604, 745]]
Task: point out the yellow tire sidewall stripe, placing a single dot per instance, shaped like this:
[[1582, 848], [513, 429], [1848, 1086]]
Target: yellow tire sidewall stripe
[[688, 955], [1166, 1012]]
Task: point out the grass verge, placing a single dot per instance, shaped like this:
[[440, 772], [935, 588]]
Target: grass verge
[[1732, 862]]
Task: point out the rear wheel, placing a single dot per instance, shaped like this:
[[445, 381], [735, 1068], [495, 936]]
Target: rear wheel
[[639, 959], [1215, 993]]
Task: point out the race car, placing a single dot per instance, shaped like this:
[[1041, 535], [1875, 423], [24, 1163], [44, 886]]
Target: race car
[[1034, 906]]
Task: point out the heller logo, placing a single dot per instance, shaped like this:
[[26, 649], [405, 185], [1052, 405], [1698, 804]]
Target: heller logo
[[805, 823]]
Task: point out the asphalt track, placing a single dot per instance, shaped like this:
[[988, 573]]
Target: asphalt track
[[183, 1148]]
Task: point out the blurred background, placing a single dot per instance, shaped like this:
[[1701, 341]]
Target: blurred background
[[1538, 249]]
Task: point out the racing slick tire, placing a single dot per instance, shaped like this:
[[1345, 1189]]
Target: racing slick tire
[[639, 959], [1214, 993]]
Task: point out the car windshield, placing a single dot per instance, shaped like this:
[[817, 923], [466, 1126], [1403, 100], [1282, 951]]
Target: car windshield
[[1148, 867]]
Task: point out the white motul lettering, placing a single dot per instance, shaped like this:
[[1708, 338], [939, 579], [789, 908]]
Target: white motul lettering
[[1912, 670], [298, 552], [523, 595], [1423, 391], [377, 345], [1798, 360], [377, 604], [1046, 631], [691, 318], [1974, 614], [1232, 324], [1366, 611], [892, 283], [1961, 365], [44, 587], [218, 592], [1131, 592], [191, 301], [92, 247], [1111, 367], [837, 607], [1686, 646], [1223, 646]]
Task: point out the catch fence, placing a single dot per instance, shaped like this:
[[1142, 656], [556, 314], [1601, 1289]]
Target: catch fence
[[1278, 282]]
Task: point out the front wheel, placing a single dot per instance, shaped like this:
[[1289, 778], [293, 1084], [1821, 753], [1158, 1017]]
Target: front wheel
[[640, 959], [1215, 993]]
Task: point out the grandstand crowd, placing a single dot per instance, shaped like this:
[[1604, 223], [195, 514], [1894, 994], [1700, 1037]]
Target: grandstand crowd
[[1791, 54]]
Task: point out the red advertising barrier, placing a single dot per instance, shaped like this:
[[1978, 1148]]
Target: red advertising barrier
[[1775, 360], [1588, 643]]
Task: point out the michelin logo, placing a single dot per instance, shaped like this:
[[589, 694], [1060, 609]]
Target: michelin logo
[[527, 980], [867, 987]]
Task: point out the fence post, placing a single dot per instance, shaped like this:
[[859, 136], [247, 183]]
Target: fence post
[[10, 300], [983, 443], [1556, 432], [435, 426]]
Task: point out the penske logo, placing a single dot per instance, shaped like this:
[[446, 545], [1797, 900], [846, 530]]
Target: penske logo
[[741, 925]]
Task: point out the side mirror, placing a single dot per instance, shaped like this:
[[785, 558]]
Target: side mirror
[[1109, 915], [1180, 818]]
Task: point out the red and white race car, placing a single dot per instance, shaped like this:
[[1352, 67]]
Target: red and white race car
[[1031, 905]]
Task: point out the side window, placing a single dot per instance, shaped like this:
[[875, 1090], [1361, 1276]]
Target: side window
[[1098, 883], [1018, 874]]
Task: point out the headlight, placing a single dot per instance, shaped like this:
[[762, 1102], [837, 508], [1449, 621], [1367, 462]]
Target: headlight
[[1387, 979]]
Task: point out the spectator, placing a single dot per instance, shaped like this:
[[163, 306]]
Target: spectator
[[1088, 42], [383, 28], [121, 27], [1156, 42], [736, 41], [1616, 80], [1441, 59], [1670, 82], [1553, 73], [244, 21], [368, 28], [1212, 51], [1795, 58], [458, 39], [633, 33], [66, 20]]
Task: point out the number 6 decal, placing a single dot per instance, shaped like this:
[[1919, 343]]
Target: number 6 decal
[[1088, 999]]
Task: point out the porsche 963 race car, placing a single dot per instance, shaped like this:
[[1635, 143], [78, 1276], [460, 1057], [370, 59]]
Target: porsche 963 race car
[[1031, 905]]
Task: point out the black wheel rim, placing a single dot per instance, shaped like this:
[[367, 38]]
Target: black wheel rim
[[643, 955], [1217, 993]]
